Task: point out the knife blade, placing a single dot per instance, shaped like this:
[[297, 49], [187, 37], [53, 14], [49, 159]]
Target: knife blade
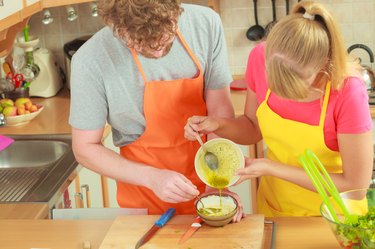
[[194, 227], [157, 225]]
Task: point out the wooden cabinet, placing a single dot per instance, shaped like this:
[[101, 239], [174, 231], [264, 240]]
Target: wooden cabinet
[[90, 189], [14, 15]]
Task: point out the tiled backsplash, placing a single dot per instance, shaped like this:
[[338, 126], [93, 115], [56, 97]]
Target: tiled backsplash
[[355, 17]]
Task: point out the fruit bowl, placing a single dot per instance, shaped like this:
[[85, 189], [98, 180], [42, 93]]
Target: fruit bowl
[[359, 232], [23, 119], [216, 210], [230, 159]]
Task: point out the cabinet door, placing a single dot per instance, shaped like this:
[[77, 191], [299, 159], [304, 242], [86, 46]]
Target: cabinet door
[[94, 183], [9, 7]]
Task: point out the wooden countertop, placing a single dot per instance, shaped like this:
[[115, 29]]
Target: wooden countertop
[[301, 232], [52, 120]]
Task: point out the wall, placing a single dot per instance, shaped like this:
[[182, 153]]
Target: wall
[[355, 17]]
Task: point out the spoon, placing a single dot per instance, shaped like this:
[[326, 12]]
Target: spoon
[[209, 157]]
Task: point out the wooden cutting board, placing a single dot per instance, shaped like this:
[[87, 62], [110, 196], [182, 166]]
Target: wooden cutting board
[[127, 230]]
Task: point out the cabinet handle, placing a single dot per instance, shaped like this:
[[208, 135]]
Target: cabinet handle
[[87, 191], [79, 200]]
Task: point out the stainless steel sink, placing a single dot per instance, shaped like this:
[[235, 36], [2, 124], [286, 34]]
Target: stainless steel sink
[[32, 153], [36, 168]]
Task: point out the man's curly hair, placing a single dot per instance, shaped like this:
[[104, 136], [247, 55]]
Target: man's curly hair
[[142, 23]]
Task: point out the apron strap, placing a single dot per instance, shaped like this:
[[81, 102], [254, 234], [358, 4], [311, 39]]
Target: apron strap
[[325, 104], [135, 56]]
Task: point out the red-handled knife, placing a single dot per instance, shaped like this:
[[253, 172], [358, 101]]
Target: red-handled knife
[[158, 224], [194, 227]]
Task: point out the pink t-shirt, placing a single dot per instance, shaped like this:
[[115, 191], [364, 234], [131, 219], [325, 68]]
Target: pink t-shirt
[[348, 110]]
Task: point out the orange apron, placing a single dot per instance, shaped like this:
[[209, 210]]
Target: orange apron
[[167, 106], [286, 140]]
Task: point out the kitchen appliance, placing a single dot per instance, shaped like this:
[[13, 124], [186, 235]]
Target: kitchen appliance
[[69, 50], [48, 82]]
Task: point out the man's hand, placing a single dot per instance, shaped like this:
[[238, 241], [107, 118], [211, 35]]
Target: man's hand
[[173, 187]]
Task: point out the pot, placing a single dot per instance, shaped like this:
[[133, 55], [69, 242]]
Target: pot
[[255, 32], [367, 72], [273, 22]]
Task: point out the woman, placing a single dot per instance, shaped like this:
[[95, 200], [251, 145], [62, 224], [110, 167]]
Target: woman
[[302, 93]]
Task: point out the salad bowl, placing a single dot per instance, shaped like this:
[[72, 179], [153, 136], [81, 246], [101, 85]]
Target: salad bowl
[[359, 230]]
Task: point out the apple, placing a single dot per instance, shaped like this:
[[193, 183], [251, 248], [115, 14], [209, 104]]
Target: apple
[[22, 101], [21, 109], [10, 111], [28, 105], [6, 102], [33, 108]]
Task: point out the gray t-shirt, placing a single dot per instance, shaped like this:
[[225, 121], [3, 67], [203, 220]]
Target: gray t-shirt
[[106, 85]]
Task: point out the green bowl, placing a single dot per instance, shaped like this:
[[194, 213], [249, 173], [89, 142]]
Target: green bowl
[[207, 207], [357, 234]]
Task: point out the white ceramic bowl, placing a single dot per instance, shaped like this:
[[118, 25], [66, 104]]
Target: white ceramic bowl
[[23, 119], [230, 159], [216, 210]]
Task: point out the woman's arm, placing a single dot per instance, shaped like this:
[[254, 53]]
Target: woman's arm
[[356, 151], [242, 130]]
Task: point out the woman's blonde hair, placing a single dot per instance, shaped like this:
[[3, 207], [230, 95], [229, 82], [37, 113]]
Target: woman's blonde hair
[[307, 39], [142, 23]]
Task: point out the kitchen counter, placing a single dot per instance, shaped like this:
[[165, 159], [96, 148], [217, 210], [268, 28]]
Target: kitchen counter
[[301, 232], [52, 120]]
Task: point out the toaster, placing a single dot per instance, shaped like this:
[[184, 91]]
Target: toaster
[[48, 82]]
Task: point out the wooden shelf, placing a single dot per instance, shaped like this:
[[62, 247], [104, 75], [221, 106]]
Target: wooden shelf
[[56, 3]]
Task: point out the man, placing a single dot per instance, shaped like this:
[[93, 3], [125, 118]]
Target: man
[[154, 65]]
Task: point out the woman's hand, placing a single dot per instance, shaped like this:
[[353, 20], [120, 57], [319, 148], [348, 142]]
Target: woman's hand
[[240, 213], [201, 125], [253, 168], [172, 187]]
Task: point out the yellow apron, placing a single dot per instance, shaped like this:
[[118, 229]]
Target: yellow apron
[[286, 140]]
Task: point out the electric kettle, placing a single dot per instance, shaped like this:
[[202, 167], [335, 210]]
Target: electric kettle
[[367, 72]]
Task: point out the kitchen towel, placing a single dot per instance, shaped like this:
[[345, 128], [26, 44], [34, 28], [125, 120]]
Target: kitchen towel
[[5, 142]]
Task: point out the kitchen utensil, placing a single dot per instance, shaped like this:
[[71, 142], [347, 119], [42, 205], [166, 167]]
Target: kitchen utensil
[[157, 225], [255, 32], [218, 210], [230, 157], [367, 72], [269, 26], [17, 93], [125, 231], [323, 183], [16, 79], [193, 228], [6, 85], [209, 157], [360, 233]]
